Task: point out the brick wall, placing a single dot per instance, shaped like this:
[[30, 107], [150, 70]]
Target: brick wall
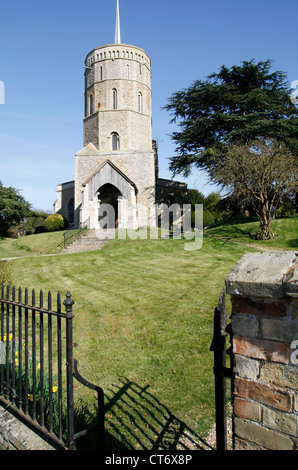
[[264, 297]]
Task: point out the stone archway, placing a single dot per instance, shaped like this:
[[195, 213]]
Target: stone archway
[[106, 191], [108, 213]]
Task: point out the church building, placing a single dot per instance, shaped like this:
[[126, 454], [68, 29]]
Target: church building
[[118, 166]]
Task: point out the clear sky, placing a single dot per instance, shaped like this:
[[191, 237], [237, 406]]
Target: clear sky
[[43, 45]]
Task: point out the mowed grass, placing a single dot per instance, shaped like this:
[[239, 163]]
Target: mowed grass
[[32, 245], [143, 325], [143, 319], [242, 230]]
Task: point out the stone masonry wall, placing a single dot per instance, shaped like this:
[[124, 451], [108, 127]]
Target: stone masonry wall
[[264, 297], [14, 435]]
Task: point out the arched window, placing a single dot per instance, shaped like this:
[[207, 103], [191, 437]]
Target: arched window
[[140, 102], [114, 98], [91, 104], [100, 73], [115, 141]]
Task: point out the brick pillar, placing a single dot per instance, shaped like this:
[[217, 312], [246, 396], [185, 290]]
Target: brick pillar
[[264, 297]]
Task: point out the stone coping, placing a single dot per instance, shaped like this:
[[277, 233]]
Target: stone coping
[[14, 435], [266, 274]]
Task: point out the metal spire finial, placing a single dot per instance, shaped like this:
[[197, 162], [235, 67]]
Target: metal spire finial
[[117, 32]]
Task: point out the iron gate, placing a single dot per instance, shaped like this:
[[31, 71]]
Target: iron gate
[[220, 369], [37, 366]]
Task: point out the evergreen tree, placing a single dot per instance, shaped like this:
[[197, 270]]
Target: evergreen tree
[[13, 208], [235, 105], [226, 120]]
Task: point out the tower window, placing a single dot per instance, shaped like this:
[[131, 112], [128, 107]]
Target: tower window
[[100, 73], [140, 102], [127, 71], [114, 98], [91, 104], [115, 142]]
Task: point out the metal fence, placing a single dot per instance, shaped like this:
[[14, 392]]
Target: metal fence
[[220, 369], [74, 233], [37, 367]]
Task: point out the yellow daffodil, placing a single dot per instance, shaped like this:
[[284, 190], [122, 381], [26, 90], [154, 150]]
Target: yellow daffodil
[[30, 396], [5, 338], [54, 389]]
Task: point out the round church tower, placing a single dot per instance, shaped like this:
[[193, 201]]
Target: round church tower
[[116, 169], [118, 99]]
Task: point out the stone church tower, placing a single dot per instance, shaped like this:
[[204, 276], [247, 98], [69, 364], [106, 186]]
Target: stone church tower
[[116, 172]]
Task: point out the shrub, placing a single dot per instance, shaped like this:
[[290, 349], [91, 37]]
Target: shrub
[[34, 220], [55, 222], [208, 218], [40, 229]]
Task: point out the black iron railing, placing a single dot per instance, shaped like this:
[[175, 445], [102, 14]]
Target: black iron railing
[[220, 369], [37, 365], [74, 233]]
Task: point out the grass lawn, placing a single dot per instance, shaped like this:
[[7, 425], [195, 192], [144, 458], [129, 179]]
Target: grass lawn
[[241, 229], [143, 327], [32, 245]]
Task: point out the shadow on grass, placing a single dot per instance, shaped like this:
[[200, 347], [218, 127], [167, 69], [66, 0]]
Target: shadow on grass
[[235, 221], [136, 420], [292, 243]]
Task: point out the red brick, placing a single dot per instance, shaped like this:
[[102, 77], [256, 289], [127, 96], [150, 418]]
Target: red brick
[[247, 409], [261, 393], [273, 351], [258, 307], [275, 309]]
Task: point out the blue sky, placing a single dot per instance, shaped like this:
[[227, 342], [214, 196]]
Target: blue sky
[[43, 45]]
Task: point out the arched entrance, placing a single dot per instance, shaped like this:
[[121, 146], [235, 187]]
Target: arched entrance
[[108, 212], [109, 199]]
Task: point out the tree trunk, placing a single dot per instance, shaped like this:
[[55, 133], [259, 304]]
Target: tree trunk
[[264, 231]]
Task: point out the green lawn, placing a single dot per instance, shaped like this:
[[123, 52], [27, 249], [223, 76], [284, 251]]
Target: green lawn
[[143, 326], [32, 245], [241, 230]]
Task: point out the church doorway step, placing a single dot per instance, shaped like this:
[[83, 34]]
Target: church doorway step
[[108, 213]]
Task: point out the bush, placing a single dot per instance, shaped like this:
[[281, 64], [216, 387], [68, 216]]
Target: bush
[[286, 210], [208, 219], [40, 229], [55, 222], [34, 220]]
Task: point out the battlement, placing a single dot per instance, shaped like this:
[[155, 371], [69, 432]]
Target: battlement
[[117, 51]]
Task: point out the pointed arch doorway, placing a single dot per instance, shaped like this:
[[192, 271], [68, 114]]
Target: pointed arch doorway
[[108, 213], [109, 195]]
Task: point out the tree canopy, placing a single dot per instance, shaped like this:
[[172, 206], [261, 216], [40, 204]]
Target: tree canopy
[[13, 208], [235, 105], [260, 173]]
